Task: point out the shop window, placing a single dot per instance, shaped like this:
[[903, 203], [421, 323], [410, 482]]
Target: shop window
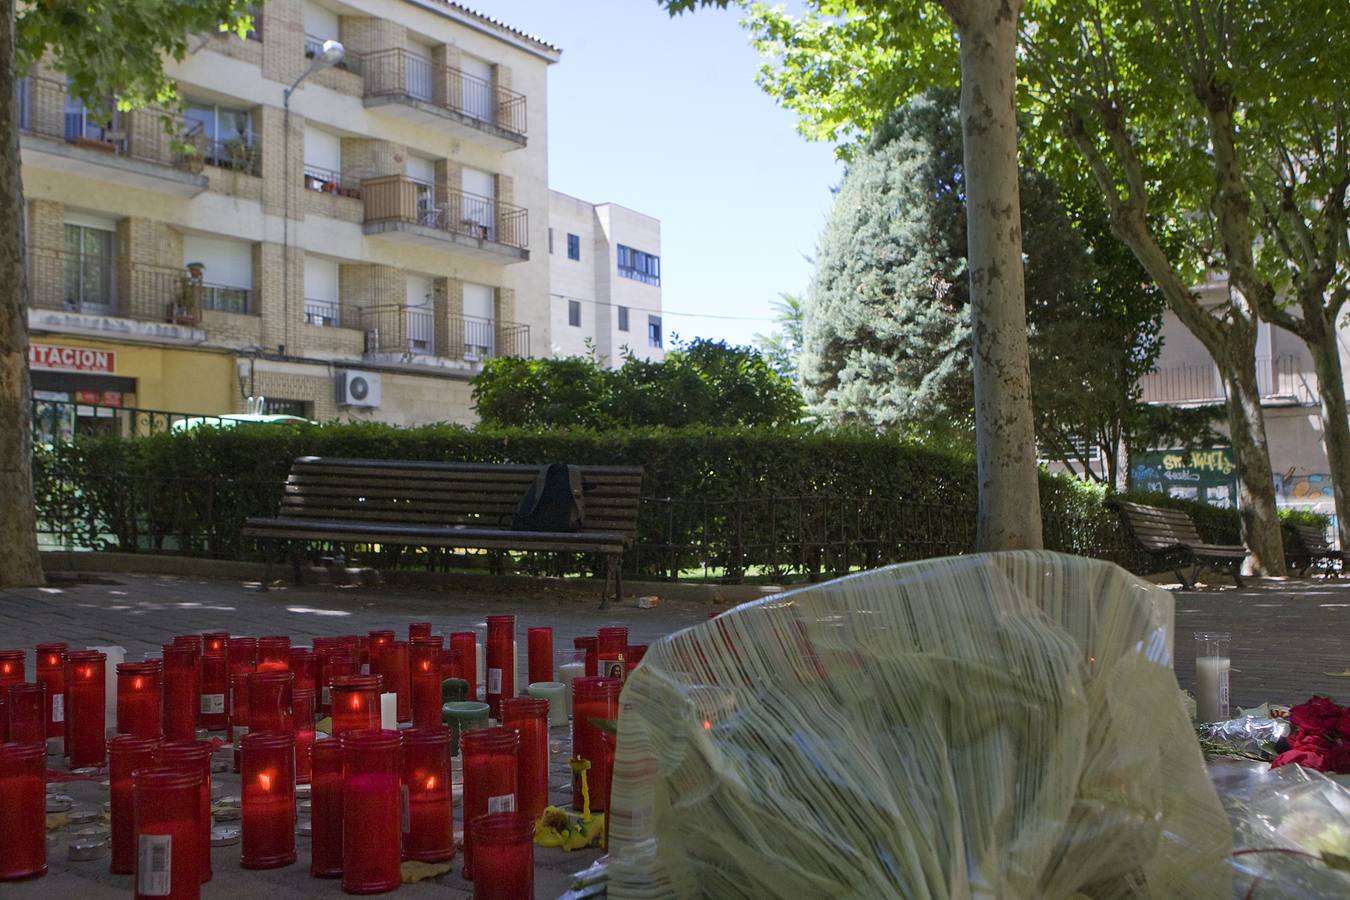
[[275, 406]]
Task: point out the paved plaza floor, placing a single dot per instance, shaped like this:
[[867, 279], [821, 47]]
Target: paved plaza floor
[[1290, 639]]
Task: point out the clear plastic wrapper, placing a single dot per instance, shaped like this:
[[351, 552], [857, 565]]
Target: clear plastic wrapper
[[1254, 735], [1003, 725]]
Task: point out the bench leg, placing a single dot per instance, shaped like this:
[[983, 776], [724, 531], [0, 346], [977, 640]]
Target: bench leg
[[267, 548], [1187, 584], [1237, 575], [296, 553], [610, 569]]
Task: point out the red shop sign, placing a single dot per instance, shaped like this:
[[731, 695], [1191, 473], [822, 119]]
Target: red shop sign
[[72, 359]]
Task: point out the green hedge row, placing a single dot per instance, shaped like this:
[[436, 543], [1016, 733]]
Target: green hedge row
[[728, 503]]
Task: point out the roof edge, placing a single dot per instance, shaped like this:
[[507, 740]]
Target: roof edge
[[530, 43]]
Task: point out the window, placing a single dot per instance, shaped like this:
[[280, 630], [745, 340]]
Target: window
[[323, 163], [574, 313], [653, 331], [550, 242], [573, 246], [226, 275], [223, 135], [321, 292], [89, 268], [623, 318], [639, 266]]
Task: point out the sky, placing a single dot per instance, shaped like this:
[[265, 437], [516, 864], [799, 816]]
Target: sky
[[663, 116]]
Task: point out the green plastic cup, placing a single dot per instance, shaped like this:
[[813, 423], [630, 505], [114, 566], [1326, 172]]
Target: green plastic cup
[[461, 716]]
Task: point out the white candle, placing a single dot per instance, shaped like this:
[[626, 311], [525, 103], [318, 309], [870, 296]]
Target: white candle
[[555, 693], [389, 711], [116, 655], [566, 672], [482, 671], [1211, 688]]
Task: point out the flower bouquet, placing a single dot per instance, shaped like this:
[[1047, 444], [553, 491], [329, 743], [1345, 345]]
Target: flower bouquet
[[1320, 738]]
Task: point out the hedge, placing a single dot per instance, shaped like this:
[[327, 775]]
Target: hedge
[[732, 503]]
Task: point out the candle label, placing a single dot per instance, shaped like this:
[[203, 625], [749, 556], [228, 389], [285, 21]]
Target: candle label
[[58, 707], [155, 853], [405, 809], [494, 681], [1223, 690], [213, 704], [502, 803], [612, 668]]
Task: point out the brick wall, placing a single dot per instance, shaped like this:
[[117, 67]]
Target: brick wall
[[449, 179], [339, 342], [283, 45], [317, 203], [372, 158], [277, 188]]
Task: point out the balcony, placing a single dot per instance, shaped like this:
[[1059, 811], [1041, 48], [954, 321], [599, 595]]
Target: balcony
[[410, 86], [404, 209], [133, 149], [415, 333], [1279, 380]]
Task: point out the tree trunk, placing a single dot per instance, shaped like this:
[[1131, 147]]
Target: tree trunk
[[1326, 358], [1256, 482], [1005, 442], [19, 561]]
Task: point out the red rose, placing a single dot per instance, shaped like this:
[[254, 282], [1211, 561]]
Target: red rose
[[1343, 727], [1338, 758], [1318, 743], [1318, 716], [1305, 758]]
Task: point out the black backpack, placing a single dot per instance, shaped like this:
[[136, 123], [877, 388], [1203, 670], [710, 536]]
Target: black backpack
[[552, 503]]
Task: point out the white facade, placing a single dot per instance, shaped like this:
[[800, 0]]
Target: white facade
[[604, 267]]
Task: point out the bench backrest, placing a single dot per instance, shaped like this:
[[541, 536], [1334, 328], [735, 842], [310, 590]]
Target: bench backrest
[[476, 495], [1313, 539], [1157, 528]]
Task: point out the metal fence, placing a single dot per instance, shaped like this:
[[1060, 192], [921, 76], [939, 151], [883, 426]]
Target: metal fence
[[62, 421], [401, 73]]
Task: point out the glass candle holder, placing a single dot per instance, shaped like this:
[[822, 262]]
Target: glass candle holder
[[51, 671], [267, 787], [540, 664], [591, 646], [429, 834], [528, 717], [11, 666], [490, 778], [182, 695], [612, 651], [554, 693], [450, 664], [302, 666], [376, 641], [216, 642], [636, 652], [1212, 666], [418, 630], [465, 643], [463, 716], [356, 703], [325, 844], [243, 653], [503, 850], [334, 663], [126, 754], [302, 702], [274, 653], [270, 702], [165, 805], [238, 706], [593, 698], [363, 655], [215, 685], [425, 664], [395, 666], [28, 712], [371, 804], [23, 810], [140, 698], [193, 756], [197, 644], [501, 668], [85, 707]]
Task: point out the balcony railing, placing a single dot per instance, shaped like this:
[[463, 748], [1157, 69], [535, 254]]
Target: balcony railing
[[400, 73], [221, 297], [417, 330], [1276, 379], [236, 154], [394, 328], [397, 198], [324, 313], [328, 181]]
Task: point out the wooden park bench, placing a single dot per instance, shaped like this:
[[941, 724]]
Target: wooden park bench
[[1311, 548], [1170, 535], [439, 504]]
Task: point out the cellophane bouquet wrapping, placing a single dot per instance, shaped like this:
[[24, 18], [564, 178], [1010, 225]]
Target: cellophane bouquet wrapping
[[1292, 831], [997, 725]]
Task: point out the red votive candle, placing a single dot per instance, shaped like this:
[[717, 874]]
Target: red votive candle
[[51, 671], [168, 848], [593, 698], [140, 698], [591, 646], [215, 685], [429, 835], [274, 653], [501, 663], [334, 663], [376, 641], [302, 702], [11, 666], [540, 641], [27, 712], [267, 784], [356, 703], [243, 654], [465, 643], [302, 664], [503, 856], [270, 702], [23, 815], [197, 643], [238, 726], [126, 754], [182, 694], [194, 756], [489, 778], [216, 642], [636, 652], [325, 845], [371, 811], [528, 717], [425, 656], [418, 629], [612, 651], [85, 708], [396, 669]]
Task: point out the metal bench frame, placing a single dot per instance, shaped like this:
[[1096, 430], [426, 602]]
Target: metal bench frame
[[1314, 550], [1170, 535]]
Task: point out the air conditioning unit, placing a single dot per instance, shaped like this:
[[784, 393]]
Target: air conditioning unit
[[358, 389]]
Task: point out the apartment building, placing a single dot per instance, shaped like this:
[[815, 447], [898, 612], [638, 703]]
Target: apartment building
[[605, 272], [353, 248]]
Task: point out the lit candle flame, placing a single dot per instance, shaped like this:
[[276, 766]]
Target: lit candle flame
[[265, 780], [426, 666], [138, 684], [431, 782]]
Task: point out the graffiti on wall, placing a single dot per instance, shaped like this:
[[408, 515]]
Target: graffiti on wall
[[1205, 476], [1304, 489]]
